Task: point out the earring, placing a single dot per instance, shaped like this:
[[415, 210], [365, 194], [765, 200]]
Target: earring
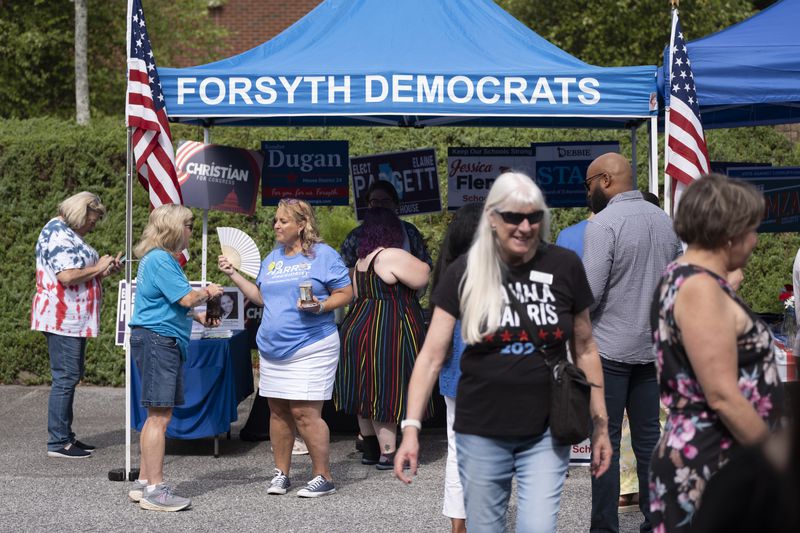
[[730, 244]]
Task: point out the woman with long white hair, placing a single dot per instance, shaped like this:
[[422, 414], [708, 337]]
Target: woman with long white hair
[[502, 413]]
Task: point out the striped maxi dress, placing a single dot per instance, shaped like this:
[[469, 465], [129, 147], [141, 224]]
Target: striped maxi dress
[[381, 336]]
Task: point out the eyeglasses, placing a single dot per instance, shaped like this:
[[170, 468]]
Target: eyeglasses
[[588, 180], [515, 219], [382, 202]]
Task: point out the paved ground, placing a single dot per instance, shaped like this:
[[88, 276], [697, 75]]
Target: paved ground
[[43, 494]]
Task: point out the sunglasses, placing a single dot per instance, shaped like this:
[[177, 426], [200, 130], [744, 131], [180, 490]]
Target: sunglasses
[[190, 225], [515, 219], [588, 180]]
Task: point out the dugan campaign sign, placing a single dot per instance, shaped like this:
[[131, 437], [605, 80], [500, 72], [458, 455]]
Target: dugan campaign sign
[[314, 171], [218, 177], [413, 175]]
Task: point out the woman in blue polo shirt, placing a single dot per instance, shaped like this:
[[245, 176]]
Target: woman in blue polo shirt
[[299, 344]]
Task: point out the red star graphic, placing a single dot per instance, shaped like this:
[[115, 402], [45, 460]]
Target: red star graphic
[[558, 333], [523, 337], [489, 338], [506, 336], [542, 334]]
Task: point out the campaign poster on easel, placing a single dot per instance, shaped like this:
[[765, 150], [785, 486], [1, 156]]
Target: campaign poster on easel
[[471, 171], [561, 169]]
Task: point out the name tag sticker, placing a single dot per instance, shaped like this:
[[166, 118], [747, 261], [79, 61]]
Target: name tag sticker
[[541, 277]]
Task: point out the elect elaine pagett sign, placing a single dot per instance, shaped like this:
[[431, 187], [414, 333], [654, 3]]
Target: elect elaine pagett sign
[[472, 171], [561, 170], [219, 177], [413, 175], [314, 171], [781, 190]]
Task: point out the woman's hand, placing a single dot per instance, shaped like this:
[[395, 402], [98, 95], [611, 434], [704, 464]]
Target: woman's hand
[[214, 290], [315, 307], [408, 452], [225, 265], [200, 316], [601, 448], [114, 266]]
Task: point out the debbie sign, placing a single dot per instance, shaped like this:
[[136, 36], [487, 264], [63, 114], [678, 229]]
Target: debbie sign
[[314, 171], [561, 169], [218, 177], [472, 171], [413, 175]]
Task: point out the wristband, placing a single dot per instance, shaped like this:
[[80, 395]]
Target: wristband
[[410, 422], [321, 308]]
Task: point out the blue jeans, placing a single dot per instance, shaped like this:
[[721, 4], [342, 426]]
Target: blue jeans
[[633, 388], [67, 356], [486, 466], [160, 365]]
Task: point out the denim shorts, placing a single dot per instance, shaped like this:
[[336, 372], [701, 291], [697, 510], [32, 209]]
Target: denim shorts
[[160, 365]]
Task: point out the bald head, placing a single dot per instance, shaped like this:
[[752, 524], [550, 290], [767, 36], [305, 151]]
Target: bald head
[[618, 169]]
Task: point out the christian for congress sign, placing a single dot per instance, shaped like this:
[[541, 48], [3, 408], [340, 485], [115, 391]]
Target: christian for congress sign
[[413, 175], [218, 177], [315, 171]]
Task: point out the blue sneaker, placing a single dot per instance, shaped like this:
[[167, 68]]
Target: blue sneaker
[[280, 483], [319, 486]]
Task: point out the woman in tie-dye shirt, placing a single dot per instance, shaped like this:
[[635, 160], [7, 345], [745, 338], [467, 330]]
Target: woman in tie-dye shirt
[[66, 308]]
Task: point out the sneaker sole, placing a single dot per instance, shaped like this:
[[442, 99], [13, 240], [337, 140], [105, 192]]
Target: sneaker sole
[[144, 504], [276, 491], [62, 456], [135, 496], [302, 494]]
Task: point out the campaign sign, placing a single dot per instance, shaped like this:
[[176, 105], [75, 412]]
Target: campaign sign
[[413, 175], [722, 167], [314, 171], [231, 301], [472, 171], [781, 189], [561, 169], [218, 177], [581, 454]]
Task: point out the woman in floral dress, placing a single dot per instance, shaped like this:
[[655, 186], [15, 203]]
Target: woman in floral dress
[[716, 369]]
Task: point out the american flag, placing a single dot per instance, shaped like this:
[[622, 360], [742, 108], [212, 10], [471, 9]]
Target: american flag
[[147, 115], [686, 153]]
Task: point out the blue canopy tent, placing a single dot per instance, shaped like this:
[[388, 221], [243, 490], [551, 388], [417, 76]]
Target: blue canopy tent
[[409, 63], [748, 74]]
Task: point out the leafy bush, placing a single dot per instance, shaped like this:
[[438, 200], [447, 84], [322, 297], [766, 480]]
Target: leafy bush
[[42, 161]]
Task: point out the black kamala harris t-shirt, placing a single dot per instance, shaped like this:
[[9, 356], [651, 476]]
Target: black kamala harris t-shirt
[[504, 388]]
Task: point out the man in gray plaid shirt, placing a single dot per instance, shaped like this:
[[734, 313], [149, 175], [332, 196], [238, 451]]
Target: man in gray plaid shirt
[[628, 244]]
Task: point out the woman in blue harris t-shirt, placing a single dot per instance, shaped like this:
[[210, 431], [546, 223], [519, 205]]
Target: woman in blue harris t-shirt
[[298, 342]]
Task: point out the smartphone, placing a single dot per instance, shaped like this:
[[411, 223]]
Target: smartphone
[[123, 258]]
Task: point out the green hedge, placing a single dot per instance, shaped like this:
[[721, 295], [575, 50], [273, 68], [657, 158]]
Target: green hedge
[[42, 161]]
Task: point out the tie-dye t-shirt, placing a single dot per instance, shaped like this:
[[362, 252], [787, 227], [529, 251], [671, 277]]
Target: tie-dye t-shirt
[[69, 310]]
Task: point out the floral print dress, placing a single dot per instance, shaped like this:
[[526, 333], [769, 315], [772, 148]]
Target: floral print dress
[[695, 443]]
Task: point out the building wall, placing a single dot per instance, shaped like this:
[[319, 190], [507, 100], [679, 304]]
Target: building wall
[[251, 22]]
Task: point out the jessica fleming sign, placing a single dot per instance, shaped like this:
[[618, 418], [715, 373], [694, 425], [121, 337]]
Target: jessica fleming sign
[[472, 171]]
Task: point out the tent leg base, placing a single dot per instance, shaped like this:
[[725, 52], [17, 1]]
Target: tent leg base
[[118, 474]]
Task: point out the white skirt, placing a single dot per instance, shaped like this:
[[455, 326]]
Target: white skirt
[[308, 374]]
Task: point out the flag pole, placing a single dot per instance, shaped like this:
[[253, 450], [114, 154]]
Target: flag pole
[[667, 82], [206, 140], [128, 291]]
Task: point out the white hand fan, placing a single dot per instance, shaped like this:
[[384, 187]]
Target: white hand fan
[[240, 249]]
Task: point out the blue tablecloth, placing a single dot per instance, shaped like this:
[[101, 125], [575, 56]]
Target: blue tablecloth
[[217, 376]]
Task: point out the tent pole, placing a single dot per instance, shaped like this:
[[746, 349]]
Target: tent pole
[[206, 140], [633, 156], [653, 126], [128, 306]]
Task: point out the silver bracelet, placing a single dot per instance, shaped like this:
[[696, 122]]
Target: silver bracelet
[[321, 308]]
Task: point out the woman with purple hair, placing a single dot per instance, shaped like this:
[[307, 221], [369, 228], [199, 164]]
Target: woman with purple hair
[[381, 335]]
